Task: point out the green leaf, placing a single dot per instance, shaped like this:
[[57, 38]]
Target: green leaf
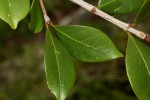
[[36, 17], [87, 43], [144, 12], [120, 6], [138, 67], [12, 11], [60, 72]]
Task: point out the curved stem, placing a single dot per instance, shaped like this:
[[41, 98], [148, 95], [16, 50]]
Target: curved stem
[[46, 18]]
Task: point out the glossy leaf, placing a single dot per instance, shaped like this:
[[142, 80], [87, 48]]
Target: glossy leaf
[[12, 11], [87, 44], [120, 6], [138, 67], [144, 12], [59, 67], [36, 17]]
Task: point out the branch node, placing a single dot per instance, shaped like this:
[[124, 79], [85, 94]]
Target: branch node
[[119, 23], [93, 10], [131, 25], [46, 18], [147, 38], [127, 28]]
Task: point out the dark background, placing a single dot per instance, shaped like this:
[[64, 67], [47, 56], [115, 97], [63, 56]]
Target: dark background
[[22, 75]]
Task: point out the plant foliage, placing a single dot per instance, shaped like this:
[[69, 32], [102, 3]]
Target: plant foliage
[[138, 67], [13, 11], [59, 67], [84, 43]]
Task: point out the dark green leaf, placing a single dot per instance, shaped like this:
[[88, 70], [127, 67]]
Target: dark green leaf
[[144, 12], [120, 6], [138, 67], [36, 17], [12, 11], [87, 44], [59, 67]]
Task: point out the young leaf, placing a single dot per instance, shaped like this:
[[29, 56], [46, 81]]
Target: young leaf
[[119, 6], [60, 72], [87, 43], [36, 17], [12, 11], [138, 67], [144, 12]]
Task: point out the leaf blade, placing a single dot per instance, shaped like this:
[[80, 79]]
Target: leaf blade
[[59, 67], [12, 11], [85, 43], [36, 22], [138, 67], [119, 6], [143, 13]]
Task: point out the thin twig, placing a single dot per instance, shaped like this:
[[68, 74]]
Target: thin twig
[[46, 18], [125, 26]]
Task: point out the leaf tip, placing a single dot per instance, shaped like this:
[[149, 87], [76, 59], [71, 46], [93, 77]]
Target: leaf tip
[[14, 27], [119, 55]]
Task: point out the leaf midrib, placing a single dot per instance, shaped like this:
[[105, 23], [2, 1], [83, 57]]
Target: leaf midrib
[[140, 10], [147, 13], [56, 62], [141, 56], [88, 46], [107, 3]]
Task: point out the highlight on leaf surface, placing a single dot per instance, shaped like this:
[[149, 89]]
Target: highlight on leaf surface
[[87, 43], [13, 11], [59, 67]]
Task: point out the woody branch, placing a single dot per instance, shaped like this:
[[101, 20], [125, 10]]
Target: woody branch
[[46, 18], [121, 24]]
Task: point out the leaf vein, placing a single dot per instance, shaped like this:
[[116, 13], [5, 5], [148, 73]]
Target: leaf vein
[[88, 46], [141, 56], [57, 61]]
